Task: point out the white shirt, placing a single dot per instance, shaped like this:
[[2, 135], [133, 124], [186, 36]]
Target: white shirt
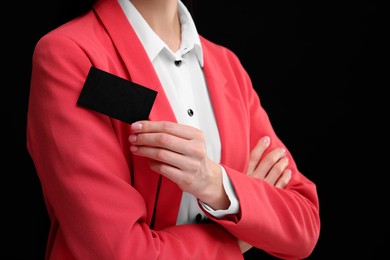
[[185, 86]]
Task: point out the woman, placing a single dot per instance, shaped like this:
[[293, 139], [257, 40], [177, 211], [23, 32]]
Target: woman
[[202, 176]]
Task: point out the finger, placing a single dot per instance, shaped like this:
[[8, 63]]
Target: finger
[[165, 156], [172, 173], [276, 171], [266, 164], [169, 135], [179, 130], [166, 141], [256, 153], [284, 179]]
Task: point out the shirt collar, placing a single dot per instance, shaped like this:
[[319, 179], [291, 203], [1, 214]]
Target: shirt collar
[[150, 40]]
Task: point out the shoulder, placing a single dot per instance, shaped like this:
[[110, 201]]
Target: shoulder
[[218, 49], [221, 58], [216, 53], [82, 30]]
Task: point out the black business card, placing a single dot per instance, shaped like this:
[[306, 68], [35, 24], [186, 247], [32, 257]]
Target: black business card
[[116, 97]]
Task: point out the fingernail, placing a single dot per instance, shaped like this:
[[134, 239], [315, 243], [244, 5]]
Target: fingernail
[[133, 148], [136, 126], [266, 140], [132, 138]]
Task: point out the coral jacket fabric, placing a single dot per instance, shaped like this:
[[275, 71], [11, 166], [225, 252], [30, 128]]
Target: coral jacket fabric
[[106, 203]]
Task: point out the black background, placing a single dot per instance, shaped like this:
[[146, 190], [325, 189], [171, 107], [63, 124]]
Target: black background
[[319, 67]]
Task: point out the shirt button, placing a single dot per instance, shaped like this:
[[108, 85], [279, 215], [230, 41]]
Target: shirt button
[[190, 112], [177, 63], [198, 218]]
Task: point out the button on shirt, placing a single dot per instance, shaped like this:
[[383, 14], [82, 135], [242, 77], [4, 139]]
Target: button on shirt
[[184, 84]]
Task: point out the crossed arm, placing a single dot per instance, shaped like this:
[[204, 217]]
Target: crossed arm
[[178, 152]]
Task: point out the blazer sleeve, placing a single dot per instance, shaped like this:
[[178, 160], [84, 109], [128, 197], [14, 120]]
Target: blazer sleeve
[[85, 174], [283, 222]]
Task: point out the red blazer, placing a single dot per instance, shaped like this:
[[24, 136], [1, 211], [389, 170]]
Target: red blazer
[[104, 202]]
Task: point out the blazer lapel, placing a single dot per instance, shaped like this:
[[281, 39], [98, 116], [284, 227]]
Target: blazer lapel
[[162, 196], [216, 83], [228, 109]]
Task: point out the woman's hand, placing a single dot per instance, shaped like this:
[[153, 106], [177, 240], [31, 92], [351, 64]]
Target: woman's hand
[[178, 152], [272, 168]]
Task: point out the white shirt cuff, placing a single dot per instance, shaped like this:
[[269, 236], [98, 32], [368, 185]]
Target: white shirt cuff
[[234, 204]]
